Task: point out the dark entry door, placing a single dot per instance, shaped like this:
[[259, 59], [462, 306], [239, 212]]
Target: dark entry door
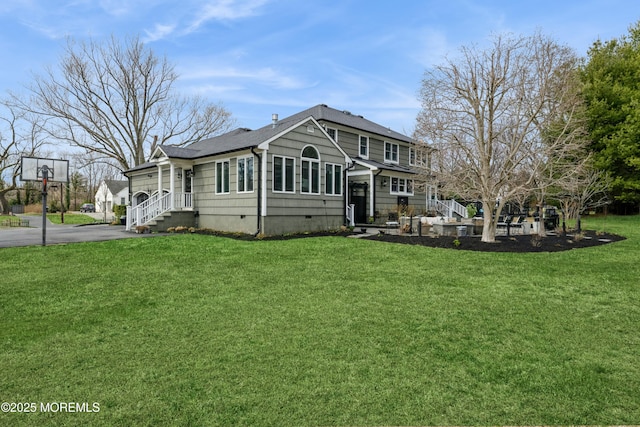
[[358, 197]]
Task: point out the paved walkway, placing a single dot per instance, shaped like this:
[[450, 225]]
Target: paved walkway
[[62, 233]]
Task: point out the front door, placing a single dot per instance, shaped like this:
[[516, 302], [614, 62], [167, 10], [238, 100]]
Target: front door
[[358, 197]]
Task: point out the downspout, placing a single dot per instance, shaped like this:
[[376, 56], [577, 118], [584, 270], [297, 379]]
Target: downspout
[[259, 208]]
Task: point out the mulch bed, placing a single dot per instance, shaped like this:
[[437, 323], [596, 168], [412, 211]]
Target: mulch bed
[[517, 243]]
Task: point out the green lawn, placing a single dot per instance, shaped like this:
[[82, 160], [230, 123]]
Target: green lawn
[[70, 218], [201, 330]]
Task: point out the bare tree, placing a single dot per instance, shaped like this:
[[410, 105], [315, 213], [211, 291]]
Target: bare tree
[[21, 135], [587, 188], [498, 117], [94, 170], [117, 100]]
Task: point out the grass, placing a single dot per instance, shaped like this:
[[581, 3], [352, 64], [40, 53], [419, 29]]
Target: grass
[[70, 218], [201, 330]]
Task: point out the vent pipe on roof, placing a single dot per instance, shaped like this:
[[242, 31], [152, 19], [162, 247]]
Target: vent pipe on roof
[[274, 120]]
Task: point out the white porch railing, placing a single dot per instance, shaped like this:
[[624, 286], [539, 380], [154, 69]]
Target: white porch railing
[[155, 206], [448, 208], [351, 215]]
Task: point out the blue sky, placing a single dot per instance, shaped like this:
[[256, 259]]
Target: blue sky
[[260, 57]]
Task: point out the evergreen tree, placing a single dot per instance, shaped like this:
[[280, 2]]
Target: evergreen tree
[[611, 78]]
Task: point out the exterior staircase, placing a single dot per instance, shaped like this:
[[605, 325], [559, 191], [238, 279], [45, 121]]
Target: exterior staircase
[[449, 208], [160, 211]]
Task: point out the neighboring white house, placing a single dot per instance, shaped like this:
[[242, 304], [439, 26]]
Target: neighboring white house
[[111, 192]]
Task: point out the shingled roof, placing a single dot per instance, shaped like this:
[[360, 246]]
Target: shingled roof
[[116, 186], [243, 138], [322, 112]]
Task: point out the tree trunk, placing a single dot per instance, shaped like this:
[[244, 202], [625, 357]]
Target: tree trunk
[[4, 204], [489, 224]]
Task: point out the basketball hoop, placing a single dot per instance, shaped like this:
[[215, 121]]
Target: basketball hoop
[[44, 170]]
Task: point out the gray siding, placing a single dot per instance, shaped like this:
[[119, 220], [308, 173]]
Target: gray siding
[[232, 211], [349, 141], [298, 211], [141, 183]]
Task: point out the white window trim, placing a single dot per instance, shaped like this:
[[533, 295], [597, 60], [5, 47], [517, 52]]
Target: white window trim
[[284, 168], [412, 159], [406, 184], [364, 156], [397, 160], [333, 185], [223, 161], [245, 175], [311, 161], [335, 132]]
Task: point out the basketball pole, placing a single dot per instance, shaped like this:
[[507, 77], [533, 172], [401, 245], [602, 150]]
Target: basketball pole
[[45, 176]]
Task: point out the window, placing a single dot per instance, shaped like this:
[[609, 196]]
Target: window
[[402, 186], [310, 171], [333, 133], [333, 179], [418, 157], [364, 147], [245, 175], [284, 174], [222, 177], [390, 152]]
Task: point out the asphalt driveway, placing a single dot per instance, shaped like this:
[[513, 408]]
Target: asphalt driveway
[[61, 233]]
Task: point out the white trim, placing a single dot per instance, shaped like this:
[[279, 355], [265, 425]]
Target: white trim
[[327, 128], [284, 178], [406, 185], [172, 184], [372, 191], [265, 144], [215, 173], [360, 173], [265, 162], [159, 178], [333, 165], [158, 153], [311, 162], [245, 191], [395, 162], [364, 156], [366, 165]]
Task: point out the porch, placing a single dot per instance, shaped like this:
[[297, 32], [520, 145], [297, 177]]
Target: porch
[[156, 206]]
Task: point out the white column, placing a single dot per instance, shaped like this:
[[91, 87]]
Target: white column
[[159, 181], [172, 185], [263, 210], [372, 189]]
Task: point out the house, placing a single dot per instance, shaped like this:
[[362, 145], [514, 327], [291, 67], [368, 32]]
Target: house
[[315, 170], [111, 192]]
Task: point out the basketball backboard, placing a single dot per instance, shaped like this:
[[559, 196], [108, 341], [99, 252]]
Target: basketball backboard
[[31, 169]]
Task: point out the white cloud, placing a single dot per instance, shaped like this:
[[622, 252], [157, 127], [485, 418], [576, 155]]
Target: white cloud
[[159, 31], [264, 76], [224, 10], [116, 7]]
